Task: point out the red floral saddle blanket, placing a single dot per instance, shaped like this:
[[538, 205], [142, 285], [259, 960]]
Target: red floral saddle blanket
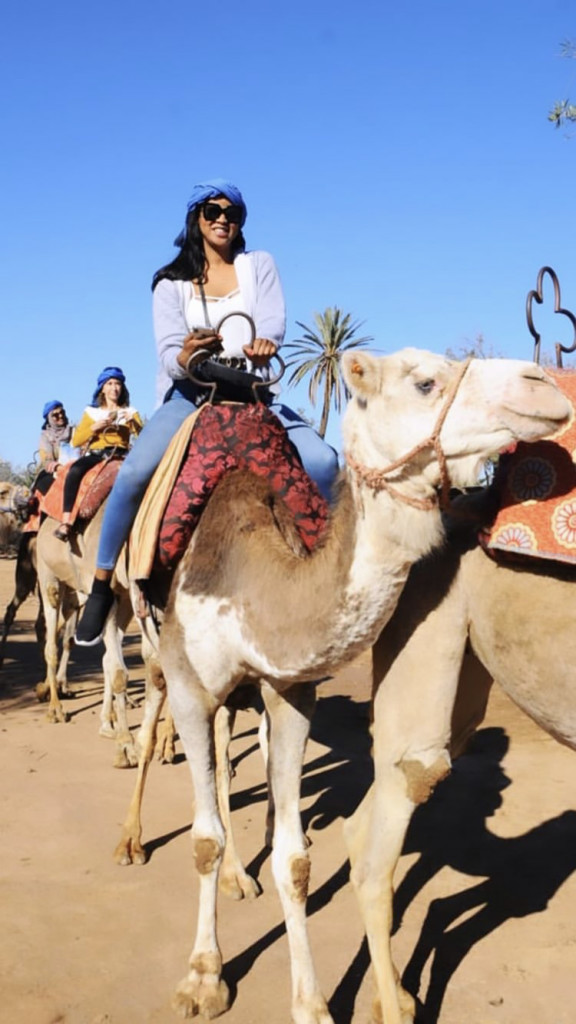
[[94, 488], [537, 515], [234, 436]]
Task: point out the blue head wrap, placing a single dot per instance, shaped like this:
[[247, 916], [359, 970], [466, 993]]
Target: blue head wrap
[[108, 373], [50, 406], [209, 190]]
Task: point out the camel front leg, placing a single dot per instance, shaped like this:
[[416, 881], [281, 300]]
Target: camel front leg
[[234, 880], [374, 836], [417, 662], [9, 616], [202, 991], [25, 582], [289, 714]]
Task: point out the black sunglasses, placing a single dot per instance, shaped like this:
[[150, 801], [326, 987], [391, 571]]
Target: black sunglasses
[[212, 211]]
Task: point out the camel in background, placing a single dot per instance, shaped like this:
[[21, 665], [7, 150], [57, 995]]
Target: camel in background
[[65, 573], [25, 585], [245, 604], [25, 581], [13, 499]]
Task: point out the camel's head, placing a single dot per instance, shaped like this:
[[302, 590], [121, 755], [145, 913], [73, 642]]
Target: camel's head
[[7, 492], [481, 409]]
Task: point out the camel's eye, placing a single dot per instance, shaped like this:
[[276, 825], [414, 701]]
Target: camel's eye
[[426, 386]]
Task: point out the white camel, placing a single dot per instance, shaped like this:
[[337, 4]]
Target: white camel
[[460, 612], [65, 573], [246, 604]]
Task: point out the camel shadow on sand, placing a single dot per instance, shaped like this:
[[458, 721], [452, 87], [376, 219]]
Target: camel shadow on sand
[[520, 875], [341, 725], [24, 668]]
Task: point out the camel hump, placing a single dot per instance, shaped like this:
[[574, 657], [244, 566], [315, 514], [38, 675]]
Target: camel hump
[[246, 527], [243, 505]]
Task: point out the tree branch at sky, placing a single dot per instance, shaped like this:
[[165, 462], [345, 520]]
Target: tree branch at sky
[[564, 110]]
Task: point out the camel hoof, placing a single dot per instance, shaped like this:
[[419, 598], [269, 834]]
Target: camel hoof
[[122, 760], [406, 1006], [131, 756], [126, 756], [165, 752], [57, 715], [42, 691], [239, 886], [129, 851], [107, 731], [312, 1011], [200, 994]]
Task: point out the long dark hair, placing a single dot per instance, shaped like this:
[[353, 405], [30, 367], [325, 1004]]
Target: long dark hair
[[190, 263]]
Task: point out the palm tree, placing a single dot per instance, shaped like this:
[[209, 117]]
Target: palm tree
[[318, 355]]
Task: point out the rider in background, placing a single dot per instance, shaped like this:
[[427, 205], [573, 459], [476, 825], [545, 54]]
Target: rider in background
[[105, 430], [211, 275], [56, 433]]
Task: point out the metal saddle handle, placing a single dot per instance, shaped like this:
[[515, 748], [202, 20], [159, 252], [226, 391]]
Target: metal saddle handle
[[242, 377]]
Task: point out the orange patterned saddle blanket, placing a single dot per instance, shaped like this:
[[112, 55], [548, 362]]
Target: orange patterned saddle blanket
[[93, 491], [537, 482]]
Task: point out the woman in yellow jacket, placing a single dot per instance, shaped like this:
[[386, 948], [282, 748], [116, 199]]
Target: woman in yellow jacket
[[105, 429]]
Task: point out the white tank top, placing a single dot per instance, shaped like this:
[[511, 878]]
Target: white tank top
[[235, 332]]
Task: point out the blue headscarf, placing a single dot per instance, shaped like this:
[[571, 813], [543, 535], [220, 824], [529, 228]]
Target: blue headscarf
[[209, 190], [50, 406], [108, 373]]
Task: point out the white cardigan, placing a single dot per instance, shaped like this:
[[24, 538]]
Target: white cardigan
[[262, 299]]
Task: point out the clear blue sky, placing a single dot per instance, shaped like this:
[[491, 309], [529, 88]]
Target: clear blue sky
[[395, 158]]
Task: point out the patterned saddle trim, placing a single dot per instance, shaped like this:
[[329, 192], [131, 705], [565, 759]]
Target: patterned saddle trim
[[537, 516]]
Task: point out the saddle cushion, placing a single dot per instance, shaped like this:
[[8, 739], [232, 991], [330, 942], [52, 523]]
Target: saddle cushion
[[235, 436], [94, 488], [537, 515]]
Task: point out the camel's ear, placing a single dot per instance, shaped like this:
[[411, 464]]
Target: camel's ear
[[361, 372]]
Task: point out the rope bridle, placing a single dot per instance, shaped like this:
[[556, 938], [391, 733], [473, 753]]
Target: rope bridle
[[376, 478]]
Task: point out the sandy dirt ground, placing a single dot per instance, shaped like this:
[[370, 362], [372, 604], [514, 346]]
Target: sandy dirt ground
[[486, 886]]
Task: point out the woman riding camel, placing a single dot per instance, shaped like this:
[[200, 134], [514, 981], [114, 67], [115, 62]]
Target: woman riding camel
[[105, 430], [56, 433], [211, 276]]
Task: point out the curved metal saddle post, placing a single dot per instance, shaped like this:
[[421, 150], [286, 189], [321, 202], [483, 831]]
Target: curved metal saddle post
[[536, 295], [203, 355], [34, 466]]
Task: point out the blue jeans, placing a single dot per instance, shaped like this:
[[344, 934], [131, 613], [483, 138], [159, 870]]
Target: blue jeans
[[319, 460]]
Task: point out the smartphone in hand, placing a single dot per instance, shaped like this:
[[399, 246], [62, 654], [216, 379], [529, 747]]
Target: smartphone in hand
[[204, 332]]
